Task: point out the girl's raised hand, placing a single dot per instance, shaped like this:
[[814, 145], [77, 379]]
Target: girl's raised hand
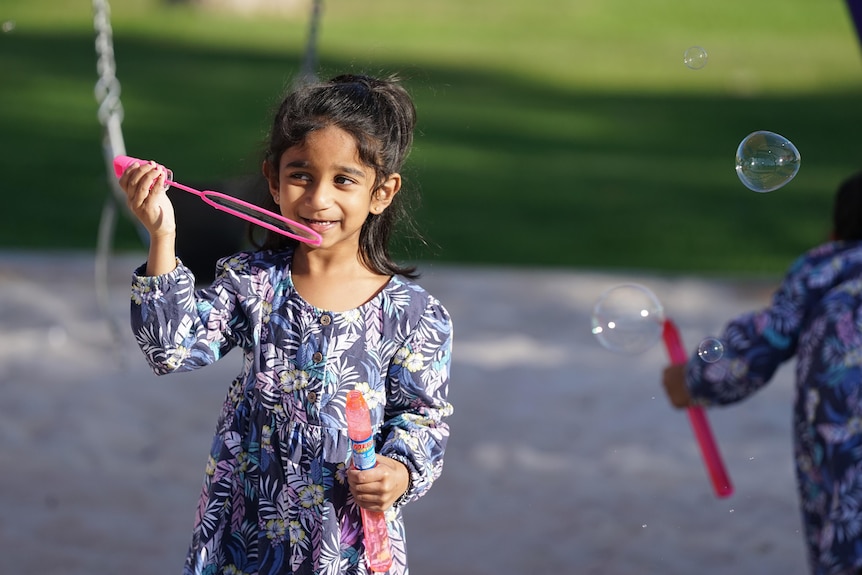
[[144, 184]]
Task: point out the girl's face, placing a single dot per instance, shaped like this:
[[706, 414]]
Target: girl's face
[[323, 184]]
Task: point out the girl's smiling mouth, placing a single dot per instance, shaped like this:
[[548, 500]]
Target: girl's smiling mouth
[[319, 225]]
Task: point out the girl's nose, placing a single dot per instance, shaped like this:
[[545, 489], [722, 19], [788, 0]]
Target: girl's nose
[[318, 196]]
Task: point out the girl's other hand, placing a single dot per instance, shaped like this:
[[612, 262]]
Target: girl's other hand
[[673, 379], [146, 196], [376, 489]]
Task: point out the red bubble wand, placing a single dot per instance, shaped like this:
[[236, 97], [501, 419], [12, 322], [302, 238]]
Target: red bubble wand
[[699, 423], [629, 318]]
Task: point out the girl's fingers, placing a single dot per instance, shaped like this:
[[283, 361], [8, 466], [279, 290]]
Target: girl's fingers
[[366, 498], [143, 182], [139, 188], [125, 179], [146, 196]]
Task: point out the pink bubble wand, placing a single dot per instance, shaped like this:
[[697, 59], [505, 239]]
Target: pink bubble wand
[[697, 416], [236, 207], [377, 546]]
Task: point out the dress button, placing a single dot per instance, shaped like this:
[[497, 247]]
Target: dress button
[[317, 357], [325, 319], [312, 397]]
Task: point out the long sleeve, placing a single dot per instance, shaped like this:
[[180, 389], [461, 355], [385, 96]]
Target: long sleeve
[[757, 343], [414, 431], [177, 328]]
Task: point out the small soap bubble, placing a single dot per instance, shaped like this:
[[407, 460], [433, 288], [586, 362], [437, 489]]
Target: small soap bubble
[[643, 526], [751, 458], [8, 26], [731, 510], [765, 161], [628, 319], [695, 57], [710, 350]]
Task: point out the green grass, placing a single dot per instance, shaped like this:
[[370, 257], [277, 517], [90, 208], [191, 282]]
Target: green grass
[[553, 133]]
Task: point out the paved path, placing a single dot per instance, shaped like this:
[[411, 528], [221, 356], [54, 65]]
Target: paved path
[[564, 457]]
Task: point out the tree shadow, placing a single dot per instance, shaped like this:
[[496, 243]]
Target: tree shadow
[[511, 171]]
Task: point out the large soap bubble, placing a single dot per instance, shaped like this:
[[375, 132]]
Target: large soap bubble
[[628, 319], [765, 161]]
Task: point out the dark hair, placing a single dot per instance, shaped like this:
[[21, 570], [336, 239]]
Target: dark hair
[[380, 116], [847, 211]]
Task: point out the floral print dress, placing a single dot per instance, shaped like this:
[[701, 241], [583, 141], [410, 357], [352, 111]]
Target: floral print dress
[[816, 315], [275, 497]]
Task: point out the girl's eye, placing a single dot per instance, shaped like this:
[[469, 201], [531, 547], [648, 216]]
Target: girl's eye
[[300, 176], [343, 181]]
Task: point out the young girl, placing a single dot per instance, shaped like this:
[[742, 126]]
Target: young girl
[[815, 315], [312, 323]]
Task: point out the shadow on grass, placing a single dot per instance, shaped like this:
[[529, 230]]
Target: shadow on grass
[[510, 171]]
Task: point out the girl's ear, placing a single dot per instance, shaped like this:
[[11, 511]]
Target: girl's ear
[[383, 196], [271, 180]]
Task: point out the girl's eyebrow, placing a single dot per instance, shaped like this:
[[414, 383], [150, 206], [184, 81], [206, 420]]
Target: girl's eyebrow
[[347, 169], [352, 171]]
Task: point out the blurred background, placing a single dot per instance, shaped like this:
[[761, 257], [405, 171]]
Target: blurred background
[[555, 132], [563, 147]]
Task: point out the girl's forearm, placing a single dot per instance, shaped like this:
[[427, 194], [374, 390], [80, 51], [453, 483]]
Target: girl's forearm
[[162, 257]]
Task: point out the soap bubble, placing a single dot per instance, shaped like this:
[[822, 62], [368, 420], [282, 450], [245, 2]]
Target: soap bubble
[[710, 350], [765, 161], [695, 57], [628, 319]]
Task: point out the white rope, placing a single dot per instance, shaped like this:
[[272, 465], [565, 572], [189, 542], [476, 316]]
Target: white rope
[[110, 115], [107, 90], [307, 71]]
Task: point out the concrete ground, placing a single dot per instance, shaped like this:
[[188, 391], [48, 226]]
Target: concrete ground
[[563, 458]]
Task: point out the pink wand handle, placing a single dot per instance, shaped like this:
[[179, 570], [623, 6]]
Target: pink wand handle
[[123, 162], [699, 423]]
